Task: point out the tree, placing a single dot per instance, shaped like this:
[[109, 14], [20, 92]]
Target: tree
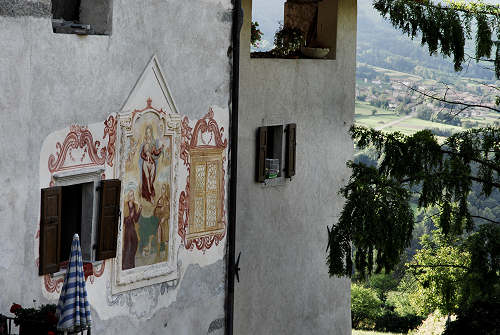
[[377, 221], [377, 217], [440, 269]]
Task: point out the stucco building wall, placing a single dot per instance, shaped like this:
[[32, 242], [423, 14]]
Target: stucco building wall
[[281, 231], [51, 81]]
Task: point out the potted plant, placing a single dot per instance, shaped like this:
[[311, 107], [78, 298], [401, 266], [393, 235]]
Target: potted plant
[[288, 41], [256, 35], [40, 320]]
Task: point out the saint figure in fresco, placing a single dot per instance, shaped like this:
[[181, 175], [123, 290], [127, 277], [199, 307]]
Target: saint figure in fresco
[[162, 212], [149, 154], [130, 240]]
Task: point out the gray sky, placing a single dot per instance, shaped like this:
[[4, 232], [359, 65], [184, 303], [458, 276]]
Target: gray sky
[[268, 13]]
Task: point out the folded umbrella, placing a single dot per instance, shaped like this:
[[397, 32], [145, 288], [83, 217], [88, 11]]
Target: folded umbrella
[[73, 309]]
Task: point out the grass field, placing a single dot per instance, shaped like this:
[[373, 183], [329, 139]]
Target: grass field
[[416, 124], [368, 332]]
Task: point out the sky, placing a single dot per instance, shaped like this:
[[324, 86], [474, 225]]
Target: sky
[[269, 14]]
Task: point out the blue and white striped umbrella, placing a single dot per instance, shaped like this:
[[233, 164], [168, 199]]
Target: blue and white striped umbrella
[[73, 309]]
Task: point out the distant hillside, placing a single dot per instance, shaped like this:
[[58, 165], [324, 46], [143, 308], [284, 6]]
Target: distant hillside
[[381, 45]]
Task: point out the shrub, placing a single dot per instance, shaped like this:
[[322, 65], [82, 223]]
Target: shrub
[[382, 283], [400, 302], [480, 318], [392, 322], [365, 306], [287, 41]]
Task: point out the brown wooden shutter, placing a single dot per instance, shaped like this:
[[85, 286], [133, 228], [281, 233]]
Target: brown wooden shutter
[[109, 216], [291, 132], [50, 230], [261, 153]]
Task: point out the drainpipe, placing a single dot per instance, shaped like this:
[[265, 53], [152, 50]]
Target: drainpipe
[[233, 128]]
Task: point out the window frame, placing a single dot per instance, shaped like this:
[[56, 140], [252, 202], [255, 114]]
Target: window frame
[[82, 176], [203, 157]]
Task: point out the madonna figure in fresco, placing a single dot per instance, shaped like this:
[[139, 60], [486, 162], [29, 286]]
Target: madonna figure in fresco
[[130, 239], [162, 212], [149, 155]]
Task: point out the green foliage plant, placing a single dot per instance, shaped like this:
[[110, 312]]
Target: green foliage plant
[[365, 306], [255, 35], [288, 41], [382, 283], [440, 268]]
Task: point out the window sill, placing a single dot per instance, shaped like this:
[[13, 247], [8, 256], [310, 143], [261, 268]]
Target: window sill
[[88, 269], [69, 27], [279, 181]]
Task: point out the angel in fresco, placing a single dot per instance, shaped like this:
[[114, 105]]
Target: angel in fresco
[[149, 155], [162, 212], [130, 240]]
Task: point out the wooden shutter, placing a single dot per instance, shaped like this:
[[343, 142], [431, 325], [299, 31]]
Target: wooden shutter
[[109, 216], [291, 131], [261, 153], [50, 230]]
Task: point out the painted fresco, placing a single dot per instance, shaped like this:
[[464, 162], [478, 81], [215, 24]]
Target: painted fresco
[[147, 183], [201, 210], [145, 145]]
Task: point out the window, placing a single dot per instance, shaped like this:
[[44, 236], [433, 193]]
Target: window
[[80, 204], [273, 155], [83, 17], [206, 200], [308, 28]]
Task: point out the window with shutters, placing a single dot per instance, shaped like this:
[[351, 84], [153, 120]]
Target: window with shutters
[[275, 157], [206, 199], [81, 204]]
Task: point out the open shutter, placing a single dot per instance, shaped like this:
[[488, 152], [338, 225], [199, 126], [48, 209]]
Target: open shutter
[[109, 216], [50, 230], [291, 131], [261, 154]]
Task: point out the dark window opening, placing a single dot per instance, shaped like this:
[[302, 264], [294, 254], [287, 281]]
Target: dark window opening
[[71, 220], [76, 218], [274, 162], [82, 17]]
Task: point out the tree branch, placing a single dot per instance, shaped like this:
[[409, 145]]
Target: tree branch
[[483, 218], [479, 180], [440, 266], [492, 166], [449, 101]]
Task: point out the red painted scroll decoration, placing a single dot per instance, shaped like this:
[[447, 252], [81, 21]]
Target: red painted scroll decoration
[[79, 137], [189, 140], [89, 270]]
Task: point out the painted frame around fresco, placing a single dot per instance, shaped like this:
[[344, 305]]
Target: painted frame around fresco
[[170, 122]]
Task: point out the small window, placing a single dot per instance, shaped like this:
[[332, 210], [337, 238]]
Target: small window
[[89, 209], [275, 157], [82, 17]]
